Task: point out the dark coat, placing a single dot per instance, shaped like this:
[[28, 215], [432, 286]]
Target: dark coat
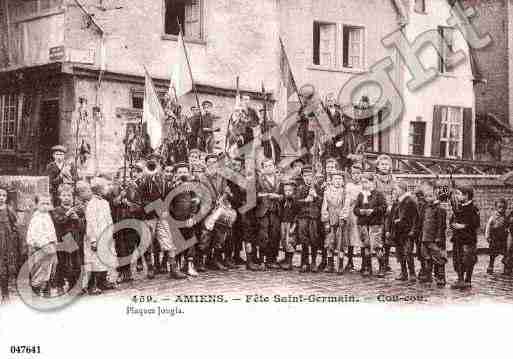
[[289, 210], [267, 205], [311, 210], [402, 221], [57, 177], [376, 202], [469, 216], [433, 223]]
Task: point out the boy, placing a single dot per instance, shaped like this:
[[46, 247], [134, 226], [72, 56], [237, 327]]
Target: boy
[[8, 242], [308, 221], [496, 233], [400, 229], [99, 225], [68, 219], [432, 226], [42, 239], [332, 206], [289, 209], [464, 224], [351, 235], [267, 212], [370, 209]]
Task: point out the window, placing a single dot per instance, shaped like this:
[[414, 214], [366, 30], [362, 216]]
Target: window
[[190, 15], [138, 98], [420, 6], [353, 41], [417, 138], [8, 121], [325, 37], [451, 136], [31, 8], [447, 35]]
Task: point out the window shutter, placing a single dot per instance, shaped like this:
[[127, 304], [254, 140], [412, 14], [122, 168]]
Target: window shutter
[[437, 126], [316, 40], [419, 6], [467, 133]]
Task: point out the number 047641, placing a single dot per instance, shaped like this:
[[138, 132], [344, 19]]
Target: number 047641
[[25, 349]]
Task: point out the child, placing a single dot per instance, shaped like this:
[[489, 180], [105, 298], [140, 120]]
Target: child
[[267, 212], [370, 209], [432, 226], [98, 228], [400, 229], [42, 240], [289, 209], [464, 224], [351, 235], [68, 219], [332, 206], [308, 220], [496, 233], [8, 242]]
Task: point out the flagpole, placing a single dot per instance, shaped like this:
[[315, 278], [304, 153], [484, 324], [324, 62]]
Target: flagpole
[[192, 78], [290, 70]]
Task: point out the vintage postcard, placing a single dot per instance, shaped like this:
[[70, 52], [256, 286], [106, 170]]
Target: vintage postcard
[[254, 177]]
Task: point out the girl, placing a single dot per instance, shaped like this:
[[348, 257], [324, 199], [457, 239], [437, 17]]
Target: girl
[[496, 233]]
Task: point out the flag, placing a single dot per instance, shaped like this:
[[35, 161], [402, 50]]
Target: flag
[[286, 72], [153, 114], [181, 79]]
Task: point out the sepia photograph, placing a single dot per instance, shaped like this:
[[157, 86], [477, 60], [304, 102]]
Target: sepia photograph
[[246, 176]]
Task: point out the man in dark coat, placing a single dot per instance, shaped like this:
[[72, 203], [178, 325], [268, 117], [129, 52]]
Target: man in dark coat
[[60, 171]]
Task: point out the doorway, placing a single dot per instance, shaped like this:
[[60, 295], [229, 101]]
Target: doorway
[[48, 132]]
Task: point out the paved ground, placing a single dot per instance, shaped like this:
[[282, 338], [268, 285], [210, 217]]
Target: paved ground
[[236, 284]]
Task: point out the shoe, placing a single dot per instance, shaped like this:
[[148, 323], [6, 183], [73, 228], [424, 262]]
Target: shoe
[[489, 270], [190, 269], [286, 264], [94, 291], [272, 266], [323, 265], [381, 271], [239, 261], [139, 268], [151, 273], [251, 265], [229, 264], [330, 268], [341, 270], [402, 278], [458, 285], [174, 271], [349, 268], [305, 268]]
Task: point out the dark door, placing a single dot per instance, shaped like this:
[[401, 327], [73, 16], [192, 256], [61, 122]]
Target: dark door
[[48, 131]]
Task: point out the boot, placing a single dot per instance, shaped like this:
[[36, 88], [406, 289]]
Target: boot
[[387, 259], [200, 267], [381, 271], [156, 263], [369, 263], [427, 276], [305, 266], [174, 270], [151, 272], [330, 268], [139, 266], [164, 263], [350, 255], [340, 269], [191, 271], [491, 265], [459, 284], [287, 262], [322, 266], [104, 283], [250, 262], [468, 278], [411, 269], [362, 268], [404, 272], [314, 268], [217, 262]]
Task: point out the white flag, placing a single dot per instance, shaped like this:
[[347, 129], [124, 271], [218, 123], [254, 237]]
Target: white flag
[[181, 79], [153, 114]]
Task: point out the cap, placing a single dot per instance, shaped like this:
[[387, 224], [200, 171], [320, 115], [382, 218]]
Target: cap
[[194, 108], [59, 148], [299, 160], [181, 165], [308, 169], [207, 103], [211, 155]]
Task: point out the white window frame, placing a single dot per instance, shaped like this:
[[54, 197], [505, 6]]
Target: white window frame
[[339, 48], [5, 120], [201, 39], [449, 121]]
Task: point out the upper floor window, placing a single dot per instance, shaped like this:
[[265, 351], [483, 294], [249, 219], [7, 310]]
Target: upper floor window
[[26, 9], [417, 138], [338, 46], [8, 121], [447, 36], [190, 15], [420, 6]]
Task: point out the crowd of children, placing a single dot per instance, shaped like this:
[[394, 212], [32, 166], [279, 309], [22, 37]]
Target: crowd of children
[[328, 217]]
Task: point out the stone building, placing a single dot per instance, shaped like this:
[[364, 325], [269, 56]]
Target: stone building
[[54, 52]]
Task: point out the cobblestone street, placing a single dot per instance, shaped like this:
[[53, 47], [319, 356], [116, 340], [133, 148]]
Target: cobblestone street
[[238, 283]]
